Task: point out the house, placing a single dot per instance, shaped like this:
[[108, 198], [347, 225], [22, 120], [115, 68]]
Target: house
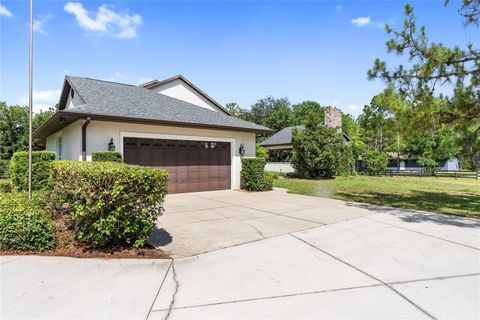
[[169, 124], [281, 145], [410, 164]]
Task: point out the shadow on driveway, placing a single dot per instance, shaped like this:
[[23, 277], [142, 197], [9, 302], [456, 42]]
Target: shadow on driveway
[[398, 205], [160, 237]]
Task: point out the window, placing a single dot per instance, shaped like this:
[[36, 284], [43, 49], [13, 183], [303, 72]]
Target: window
[[72, 93], [59, 148]]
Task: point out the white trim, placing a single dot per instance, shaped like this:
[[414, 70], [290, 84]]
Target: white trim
[[147, 135]]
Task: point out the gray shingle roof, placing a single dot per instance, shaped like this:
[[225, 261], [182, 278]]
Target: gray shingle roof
[[283, 136], [104, 98]]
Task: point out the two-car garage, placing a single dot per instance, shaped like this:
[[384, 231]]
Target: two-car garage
[[192, 165]]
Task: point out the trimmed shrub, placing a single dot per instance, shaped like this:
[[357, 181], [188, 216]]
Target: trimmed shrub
[[253, 175], [375, 161], [5, 186], [4, 168], [110, 203], [24, 224], [318, 152], [106, 156], [40, 169]]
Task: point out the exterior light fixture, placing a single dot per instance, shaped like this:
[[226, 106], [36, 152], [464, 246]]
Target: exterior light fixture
[[111, 145], [62, 120], [241, 150]]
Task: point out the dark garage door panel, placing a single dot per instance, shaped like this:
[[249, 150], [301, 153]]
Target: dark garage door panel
[[192, 165]]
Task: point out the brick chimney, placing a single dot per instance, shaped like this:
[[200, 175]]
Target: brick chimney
[[333, 118]]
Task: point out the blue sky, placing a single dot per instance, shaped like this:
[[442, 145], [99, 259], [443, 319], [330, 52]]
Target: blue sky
[[234, 50]]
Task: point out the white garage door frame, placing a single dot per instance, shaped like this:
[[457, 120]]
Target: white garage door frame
[[148, 135]]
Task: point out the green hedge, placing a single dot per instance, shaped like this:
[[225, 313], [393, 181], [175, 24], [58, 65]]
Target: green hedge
[[110, 203], [24, 224], [253, 175], [40, 169], [106, 156], [4, 168]]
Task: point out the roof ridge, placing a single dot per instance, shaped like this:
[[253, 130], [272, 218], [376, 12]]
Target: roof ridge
[[102, 80]]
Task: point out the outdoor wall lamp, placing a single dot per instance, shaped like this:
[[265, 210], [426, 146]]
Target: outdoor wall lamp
[[62, 120], [111, 145], [241, 150]]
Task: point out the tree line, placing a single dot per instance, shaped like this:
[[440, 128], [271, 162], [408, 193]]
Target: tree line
[[409, 117], [14, 128]]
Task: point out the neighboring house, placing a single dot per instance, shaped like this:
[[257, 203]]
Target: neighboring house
[[409, 164], [282, 140], [170, 124]]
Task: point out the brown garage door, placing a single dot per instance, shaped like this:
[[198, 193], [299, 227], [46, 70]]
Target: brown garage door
[[192, 165]]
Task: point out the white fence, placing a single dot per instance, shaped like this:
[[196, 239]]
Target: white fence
[[283, 167]]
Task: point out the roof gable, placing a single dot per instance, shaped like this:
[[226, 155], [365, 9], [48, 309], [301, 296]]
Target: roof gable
[[181, 88], [104, 100]]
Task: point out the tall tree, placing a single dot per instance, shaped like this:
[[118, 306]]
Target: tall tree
[[433, 63], [442, 126], [303, 110], [377, 124], [14, 128], [235, 109], [263, 108]]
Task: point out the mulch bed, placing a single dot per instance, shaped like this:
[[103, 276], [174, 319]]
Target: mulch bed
[[86, 252], [68, 247]]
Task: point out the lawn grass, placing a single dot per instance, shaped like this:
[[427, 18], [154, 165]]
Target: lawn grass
[[443, 195]]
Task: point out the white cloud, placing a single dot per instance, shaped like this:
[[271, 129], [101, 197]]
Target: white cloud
[[42, 99], [361, 21], [352, 107], [5, 12], [40, 22], [339, 8], [105, 20]]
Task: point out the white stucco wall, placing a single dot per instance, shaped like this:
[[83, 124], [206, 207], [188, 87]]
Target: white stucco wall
[[71, 141], [99, 134], [182, 91]]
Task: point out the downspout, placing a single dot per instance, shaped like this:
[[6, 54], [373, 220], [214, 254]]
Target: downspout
[[84, 139]]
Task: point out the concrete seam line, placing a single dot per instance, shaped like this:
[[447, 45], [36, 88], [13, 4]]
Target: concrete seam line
[[369, 275], [204, 209], [424, 234], [283, 215], [177, 285], [273, 297], [286, 215], [436, 278], [158, 291], [252, 241]]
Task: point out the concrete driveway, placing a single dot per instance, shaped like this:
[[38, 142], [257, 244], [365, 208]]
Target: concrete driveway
[[201, 222], [347, 261]]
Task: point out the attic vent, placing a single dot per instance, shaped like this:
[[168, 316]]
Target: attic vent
[[72, 93]]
